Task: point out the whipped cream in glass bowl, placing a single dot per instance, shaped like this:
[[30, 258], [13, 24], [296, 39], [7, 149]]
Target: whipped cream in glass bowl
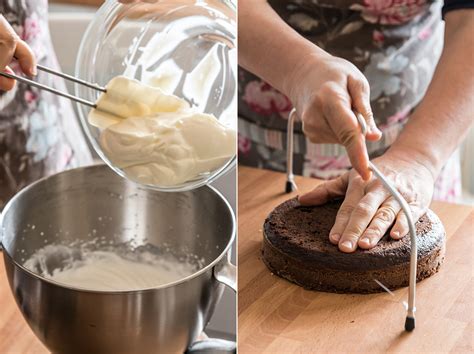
[[169, 117]]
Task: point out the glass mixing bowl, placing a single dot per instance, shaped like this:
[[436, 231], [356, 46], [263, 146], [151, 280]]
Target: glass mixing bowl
[[185, 47]]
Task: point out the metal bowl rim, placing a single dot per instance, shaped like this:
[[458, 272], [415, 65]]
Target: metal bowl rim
[[61, 285]]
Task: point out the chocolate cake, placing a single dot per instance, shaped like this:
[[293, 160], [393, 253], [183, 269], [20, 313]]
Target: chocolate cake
[[296, 247]]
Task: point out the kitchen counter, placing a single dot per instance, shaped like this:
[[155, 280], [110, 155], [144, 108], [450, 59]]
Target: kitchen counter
[[16, 337], [278, 316]]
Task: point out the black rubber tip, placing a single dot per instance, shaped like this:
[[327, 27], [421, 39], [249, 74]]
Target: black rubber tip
[[289, 187], [409, 324]]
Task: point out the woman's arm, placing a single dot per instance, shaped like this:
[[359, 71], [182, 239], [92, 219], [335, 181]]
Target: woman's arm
[[269, 47], [323, 88], [446, 113], [413, 162]]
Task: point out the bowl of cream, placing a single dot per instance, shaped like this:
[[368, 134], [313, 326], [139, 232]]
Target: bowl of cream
[[168, 118]]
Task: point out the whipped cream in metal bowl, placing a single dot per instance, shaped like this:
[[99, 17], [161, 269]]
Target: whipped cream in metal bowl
[[111, 268]]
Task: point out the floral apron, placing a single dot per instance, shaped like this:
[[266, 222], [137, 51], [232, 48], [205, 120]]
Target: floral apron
[[395, 43], [39, 133]]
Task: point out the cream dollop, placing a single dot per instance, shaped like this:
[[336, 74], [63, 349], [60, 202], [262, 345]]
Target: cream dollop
[[156, 138]]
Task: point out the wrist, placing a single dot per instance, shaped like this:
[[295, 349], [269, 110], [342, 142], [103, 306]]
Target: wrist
[[307, 59], [417, 156]]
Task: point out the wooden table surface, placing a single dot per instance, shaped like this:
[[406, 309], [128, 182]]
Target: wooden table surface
[[15, 335], [278, 316]]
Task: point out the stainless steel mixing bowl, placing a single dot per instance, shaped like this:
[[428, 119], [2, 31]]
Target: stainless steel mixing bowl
[[80, 204]]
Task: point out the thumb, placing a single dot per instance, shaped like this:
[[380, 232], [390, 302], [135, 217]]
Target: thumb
[[26, 58], [359, 91], [326, 191]]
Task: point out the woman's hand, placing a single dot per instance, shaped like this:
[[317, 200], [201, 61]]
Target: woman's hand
[[325, 90], [369, 210], [12, 46]]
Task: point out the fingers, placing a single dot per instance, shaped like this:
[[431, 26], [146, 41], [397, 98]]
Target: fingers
[[8, 41], [12, 46], [345, 126], [360, 95], [360, 217], [26, 58], [7, 84], [381, 222], [326, 191], [401, 229], [354, 194]]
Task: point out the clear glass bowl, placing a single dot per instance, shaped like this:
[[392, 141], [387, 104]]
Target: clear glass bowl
[[161, 45]]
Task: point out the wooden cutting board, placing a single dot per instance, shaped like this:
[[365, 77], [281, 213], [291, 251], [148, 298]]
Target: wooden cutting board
[[278, 316]]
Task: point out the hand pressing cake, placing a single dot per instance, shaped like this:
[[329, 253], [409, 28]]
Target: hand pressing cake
[[296, 247]]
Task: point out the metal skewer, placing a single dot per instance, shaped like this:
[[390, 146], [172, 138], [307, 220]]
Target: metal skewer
[[291, 186]]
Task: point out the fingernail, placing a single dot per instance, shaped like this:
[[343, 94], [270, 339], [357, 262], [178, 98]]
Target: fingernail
[[335, 237], [34, 71], [347, 244], [395, 234], [374, 129], [368, 176], [366, 240]]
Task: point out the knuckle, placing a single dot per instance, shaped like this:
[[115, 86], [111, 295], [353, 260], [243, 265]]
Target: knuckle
[[327, 91], [9, 40], [363, 210], [373, 231], [386, 214], [359, 183], [345, 211], [358, 81], [316, 100], [347, 136], [345, 65], [369, 115]]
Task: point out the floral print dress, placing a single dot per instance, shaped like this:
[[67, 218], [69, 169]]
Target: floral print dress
[[39, 133], [395, 43]]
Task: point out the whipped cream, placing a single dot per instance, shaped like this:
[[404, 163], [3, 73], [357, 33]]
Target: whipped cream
[[108, 271], [156, 138]]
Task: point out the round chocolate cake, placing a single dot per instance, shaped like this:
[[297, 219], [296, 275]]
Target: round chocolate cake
[[296, 247]]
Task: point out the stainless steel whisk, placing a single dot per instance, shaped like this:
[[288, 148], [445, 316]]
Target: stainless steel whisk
[[53, 90], [291, 186]]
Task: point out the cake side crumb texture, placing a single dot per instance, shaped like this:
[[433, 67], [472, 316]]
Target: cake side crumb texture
[[296, 246]]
